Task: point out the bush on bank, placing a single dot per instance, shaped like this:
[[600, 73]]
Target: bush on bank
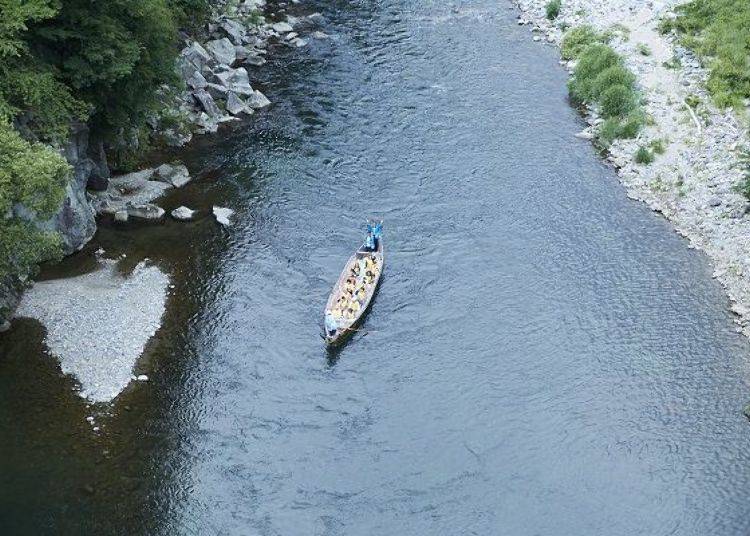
[[552, 9], [600, 77], [719, 32]]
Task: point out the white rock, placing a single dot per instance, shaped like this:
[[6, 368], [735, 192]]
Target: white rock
[[183, 213], [121, 216], [282, 27], [222, 215], [142, 378]]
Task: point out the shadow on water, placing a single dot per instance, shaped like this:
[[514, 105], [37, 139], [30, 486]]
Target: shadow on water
[[544, 357]]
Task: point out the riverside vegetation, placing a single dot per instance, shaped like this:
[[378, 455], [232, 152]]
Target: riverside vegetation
[[87, 88], [68, 62], [683, 150]]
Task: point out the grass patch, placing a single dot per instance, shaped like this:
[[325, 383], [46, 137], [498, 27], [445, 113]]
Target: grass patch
[[577, 39], [658, 146], [743, 187], [643, 49], [718, 31], [552, 9], [644, 156], [673, 64]]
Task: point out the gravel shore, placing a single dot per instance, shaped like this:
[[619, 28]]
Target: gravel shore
[[98, 324], [693, 183]]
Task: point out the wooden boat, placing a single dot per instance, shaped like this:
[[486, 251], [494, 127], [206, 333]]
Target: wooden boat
[[346, 326]]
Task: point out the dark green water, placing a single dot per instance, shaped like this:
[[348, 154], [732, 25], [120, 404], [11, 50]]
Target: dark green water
[[544, 357]]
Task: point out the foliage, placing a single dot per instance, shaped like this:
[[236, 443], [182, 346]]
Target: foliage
[[552, 9], [616, 128], [719, 32], [617, 75], [643, 49], [22, 247], [190, 14], [743, 187], [600, 77], [113, 54], [644, 156], [28, 88], [577, 39], [617, 101], [593, 61], [34, 175], [658, 146]]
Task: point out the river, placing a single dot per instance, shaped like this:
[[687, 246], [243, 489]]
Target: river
[[545, 356]]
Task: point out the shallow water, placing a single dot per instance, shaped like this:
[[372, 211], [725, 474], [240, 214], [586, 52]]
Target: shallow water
[[544, 356]]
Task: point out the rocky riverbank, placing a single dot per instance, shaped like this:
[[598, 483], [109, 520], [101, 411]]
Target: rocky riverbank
[[83, 330], [693, 183]]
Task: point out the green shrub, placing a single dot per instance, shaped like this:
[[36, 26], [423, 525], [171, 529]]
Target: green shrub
[[594, 60], [644, 156], [553, 9], [643, 49], [617, 75], [719, 32], [617, 101], [577, 39], [617, 128], [658, 146], [34, 175]]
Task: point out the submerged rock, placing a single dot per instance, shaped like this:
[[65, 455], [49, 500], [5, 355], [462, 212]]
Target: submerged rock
[[146, 211], [126, 190]]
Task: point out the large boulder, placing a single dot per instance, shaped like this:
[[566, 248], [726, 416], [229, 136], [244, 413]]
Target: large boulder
[[206, 102], [146, 211], [193, 58], [174, 175], [234, 30], [222, 51], [223, 215], [282, 27], [235, 105], [197, 81], [257, 100], [217, 91], [126, 190], [236, 80]]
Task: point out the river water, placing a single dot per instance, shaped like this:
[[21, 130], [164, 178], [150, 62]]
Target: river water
[[544, 356]]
